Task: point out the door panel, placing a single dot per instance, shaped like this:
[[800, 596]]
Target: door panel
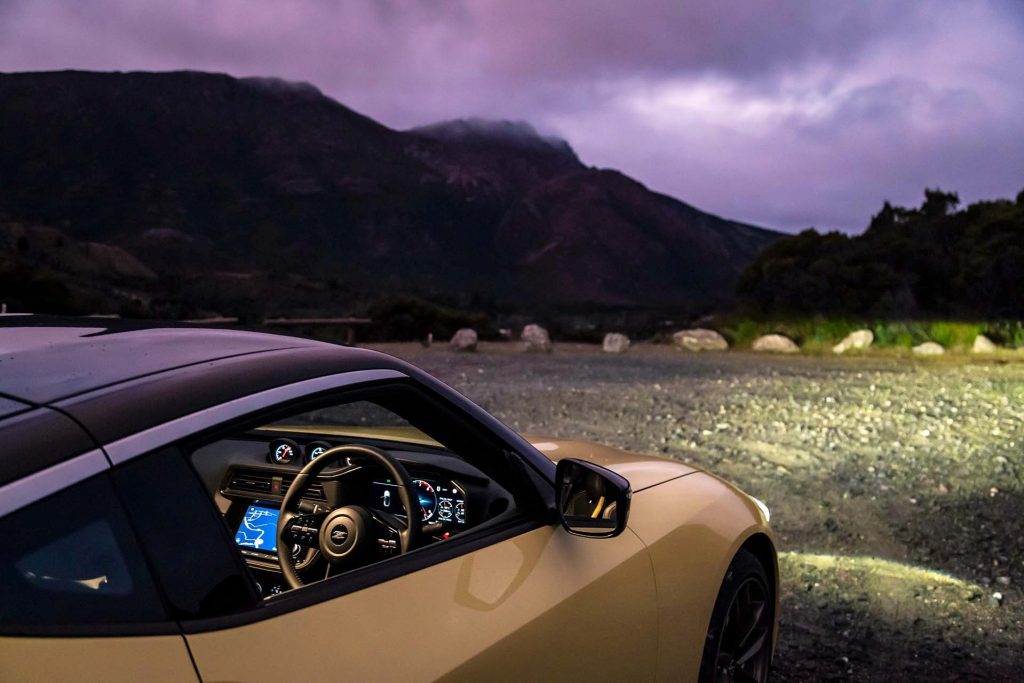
[[541, 605], [154, 659]]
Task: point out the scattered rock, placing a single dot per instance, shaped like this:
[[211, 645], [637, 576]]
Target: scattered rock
[[775, 343], [855, 341], [464, 340], [983, 344], [996, 600], [536, 339], [1003, 580], [928, 349], [615, 343], [700, 339]]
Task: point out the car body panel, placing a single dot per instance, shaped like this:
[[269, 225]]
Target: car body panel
[[36, 439], [162, 397], [9, 407], [45, 364], [692, 526], [543, 601], [154, 659], [642, 471]]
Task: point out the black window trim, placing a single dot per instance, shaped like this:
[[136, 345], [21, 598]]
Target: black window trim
[[44, 483]]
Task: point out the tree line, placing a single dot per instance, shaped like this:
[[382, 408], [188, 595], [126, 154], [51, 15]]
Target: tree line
[[935, 260]]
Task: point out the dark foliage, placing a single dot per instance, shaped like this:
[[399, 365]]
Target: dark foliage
[[408, 319], [929, 261]]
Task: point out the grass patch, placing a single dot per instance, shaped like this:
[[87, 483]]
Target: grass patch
[[819, 335]]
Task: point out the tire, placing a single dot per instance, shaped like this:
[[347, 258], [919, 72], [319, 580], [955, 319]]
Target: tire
[[739, 641]]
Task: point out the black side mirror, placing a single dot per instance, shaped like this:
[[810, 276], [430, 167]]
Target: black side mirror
[[591, 500]]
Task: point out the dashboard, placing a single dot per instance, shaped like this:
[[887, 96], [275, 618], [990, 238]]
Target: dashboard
[[249, 475]]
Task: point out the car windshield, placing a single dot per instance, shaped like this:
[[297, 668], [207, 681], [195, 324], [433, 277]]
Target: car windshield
[[359, 418]]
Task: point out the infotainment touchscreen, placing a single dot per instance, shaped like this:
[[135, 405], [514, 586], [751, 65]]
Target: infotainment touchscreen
[[258, 529]]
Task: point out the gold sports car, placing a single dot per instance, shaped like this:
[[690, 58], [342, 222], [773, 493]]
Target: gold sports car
[[184, 504]]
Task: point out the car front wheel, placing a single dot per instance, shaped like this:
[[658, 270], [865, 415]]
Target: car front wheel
[[739, 640]]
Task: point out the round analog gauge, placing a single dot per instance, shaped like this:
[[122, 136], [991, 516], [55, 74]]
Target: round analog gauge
[[460, 512], [445, 509], [283, 451], [315, 449], [428, 498]]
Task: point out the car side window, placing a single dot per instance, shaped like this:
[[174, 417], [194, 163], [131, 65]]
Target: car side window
[[461, 476], [185, 538], [72, 560]]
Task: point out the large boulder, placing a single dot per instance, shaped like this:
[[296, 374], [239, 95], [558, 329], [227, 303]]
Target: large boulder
[[615, 343], [464, 340], [775, 343], [983, 344], [928, 349], [536, 339], [855, 341], [700, 340]]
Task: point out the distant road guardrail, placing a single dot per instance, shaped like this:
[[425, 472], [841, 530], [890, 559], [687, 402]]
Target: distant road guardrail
[[347, 324]]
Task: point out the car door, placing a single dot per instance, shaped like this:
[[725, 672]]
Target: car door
[[541, 605], [77, 601], [521, 599]]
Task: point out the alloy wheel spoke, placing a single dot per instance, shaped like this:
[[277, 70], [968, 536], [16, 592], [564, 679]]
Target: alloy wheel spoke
[[750, 625], [754, 648]]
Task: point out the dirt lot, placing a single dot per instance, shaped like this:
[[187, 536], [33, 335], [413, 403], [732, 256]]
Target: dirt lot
[[896, 486]]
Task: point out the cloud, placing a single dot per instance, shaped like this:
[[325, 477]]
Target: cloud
[[785, 113]]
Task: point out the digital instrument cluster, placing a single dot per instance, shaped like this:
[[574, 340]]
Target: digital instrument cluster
[[439, 501]]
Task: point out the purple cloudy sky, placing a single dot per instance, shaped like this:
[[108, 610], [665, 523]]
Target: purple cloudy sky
[[784, 114]]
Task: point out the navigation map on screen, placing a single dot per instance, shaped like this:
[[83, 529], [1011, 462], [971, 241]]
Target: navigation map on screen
[[258, 529]]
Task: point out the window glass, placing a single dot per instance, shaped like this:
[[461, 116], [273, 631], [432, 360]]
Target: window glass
[[452, 464], [186, 540], [72, 559], [358, 418]]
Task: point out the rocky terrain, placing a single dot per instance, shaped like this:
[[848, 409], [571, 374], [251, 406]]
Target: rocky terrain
[[896, 485]]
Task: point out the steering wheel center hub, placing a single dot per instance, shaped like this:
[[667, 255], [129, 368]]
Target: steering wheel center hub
[[343, 533]]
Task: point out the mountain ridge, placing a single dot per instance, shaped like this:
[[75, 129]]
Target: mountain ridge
[[197, 175]]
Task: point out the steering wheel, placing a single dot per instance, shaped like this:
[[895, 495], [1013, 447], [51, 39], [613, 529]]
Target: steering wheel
[[352, 532]]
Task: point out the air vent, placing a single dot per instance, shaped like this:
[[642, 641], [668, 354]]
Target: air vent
[[251, 482], [314, 492]]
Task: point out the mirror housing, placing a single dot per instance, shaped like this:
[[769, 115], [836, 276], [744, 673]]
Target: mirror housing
[[591, 501]]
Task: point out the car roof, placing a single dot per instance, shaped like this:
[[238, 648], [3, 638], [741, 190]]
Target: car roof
[[45, 359], [69, 385]]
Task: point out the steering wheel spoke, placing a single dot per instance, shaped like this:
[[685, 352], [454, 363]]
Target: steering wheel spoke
[[388, 530], [388, 520], [304, 529]]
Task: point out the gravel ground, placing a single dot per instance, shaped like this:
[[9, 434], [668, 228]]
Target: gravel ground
[[896, 485]]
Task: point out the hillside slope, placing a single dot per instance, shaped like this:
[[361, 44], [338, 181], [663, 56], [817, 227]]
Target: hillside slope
[[261, 191]]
